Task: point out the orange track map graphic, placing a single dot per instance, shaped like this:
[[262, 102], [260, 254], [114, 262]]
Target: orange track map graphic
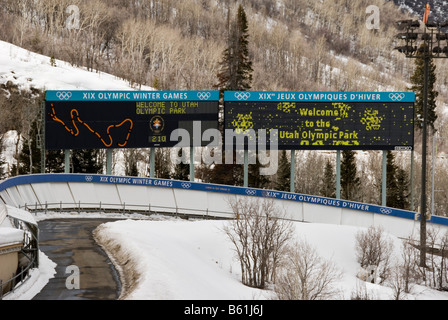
[[75, 131]]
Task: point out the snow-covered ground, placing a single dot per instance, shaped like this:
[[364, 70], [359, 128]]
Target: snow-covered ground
[[28, 69], [194, 260]]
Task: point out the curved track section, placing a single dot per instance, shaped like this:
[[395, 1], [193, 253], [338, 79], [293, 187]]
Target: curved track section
[[70, 243], [92, 192]]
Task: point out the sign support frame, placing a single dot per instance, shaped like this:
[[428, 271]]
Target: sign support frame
[[66, 161], [384, 180]]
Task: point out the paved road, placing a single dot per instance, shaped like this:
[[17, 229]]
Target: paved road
[[69, 242]]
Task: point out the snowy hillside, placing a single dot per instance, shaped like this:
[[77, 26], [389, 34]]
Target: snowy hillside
[[30, 70]]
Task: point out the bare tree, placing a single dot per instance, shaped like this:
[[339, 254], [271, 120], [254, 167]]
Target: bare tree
[[134, 38], [373, 252], [397, 282], [260, 235], [405, 274], [410, 255], [306, 276], [438, 245], [360, 292]]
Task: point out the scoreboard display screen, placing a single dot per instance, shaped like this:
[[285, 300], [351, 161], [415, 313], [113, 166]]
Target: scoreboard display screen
[[323, 120], [126, 119]]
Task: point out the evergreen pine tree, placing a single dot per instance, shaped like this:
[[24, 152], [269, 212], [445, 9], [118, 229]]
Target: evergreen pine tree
[[54, 161], [156, 84], [29, 157], [418, 81], [2, 169], [329, 181], [235, 73], [255, 180], [349, 179], [52, 61], [2, 162], [181, 170], [402, 190], [397, 184], [236, 67], [86, 161], [283, 182], [133, 170], [391, 182], [229, 174], [162, 163]]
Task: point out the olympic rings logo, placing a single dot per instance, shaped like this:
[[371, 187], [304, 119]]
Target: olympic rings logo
[[396, 96], [250, 192], [242, 95], [186, 185], [89, 178], [62, 95], [204, 95], [386, 210]]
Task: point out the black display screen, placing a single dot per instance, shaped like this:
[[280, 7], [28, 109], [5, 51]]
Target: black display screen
[[328, 125], [125, 124]]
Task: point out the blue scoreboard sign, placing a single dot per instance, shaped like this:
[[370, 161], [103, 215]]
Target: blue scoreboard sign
[[324, 120], [125, 119]]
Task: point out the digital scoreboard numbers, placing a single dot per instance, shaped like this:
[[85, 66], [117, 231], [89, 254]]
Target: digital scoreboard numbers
[[323, 120], [126, 119]]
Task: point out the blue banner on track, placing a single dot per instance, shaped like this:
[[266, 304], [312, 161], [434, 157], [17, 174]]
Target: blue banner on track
[[187, 185]]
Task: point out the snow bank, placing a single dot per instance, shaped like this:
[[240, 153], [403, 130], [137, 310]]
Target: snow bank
[[10, 236], [194, 260], [32, 70], [178, 259]]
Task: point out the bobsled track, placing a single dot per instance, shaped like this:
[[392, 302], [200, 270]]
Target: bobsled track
[[85, 192]]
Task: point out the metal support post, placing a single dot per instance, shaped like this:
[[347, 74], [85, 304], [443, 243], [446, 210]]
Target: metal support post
[[433, 171], [423, 200], [412, 179], [246, 168], [338, 174], [42, 140], [109, 161], [293, 170], [67, 161], [192, 164], [384, 180], [152, 159]]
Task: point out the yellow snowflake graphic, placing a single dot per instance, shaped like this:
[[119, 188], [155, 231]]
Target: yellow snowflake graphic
[[371, 120], [243, 122], [286, 106]]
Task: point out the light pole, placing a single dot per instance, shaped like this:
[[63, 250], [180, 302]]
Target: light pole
[[431, 43]]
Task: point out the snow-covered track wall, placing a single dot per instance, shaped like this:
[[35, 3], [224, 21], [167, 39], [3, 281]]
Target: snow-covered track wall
[[62, 192]]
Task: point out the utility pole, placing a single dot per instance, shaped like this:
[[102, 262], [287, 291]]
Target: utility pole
[[431, 43]]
